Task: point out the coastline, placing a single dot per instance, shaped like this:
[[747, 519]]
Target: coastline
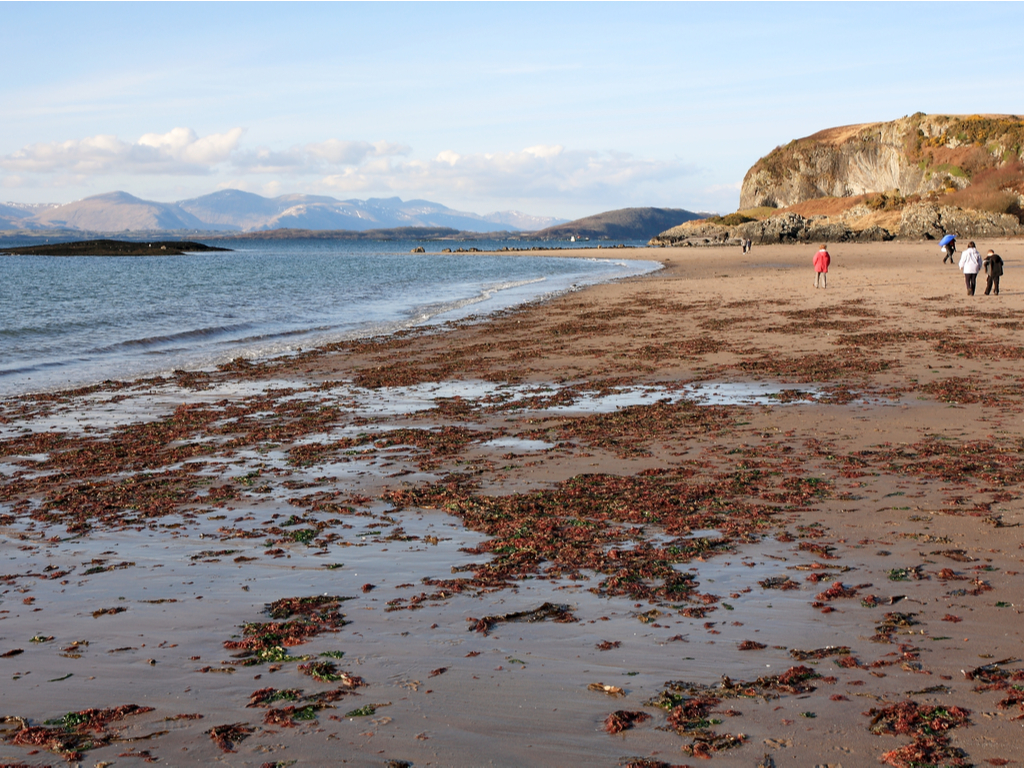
[[513, 462], [99, 319]]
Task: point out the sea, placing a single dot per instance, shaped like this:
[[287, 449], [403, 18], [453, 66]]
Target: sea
[[72, 321]]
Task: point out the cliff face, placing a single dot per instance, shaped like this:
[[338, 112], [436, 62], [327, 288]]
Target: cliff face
[[917, 155]]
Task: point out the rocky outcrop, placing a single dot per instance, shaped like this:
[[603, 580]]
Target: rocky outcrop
[[918, 177], [931, 221], [914, 155], [920, 221]]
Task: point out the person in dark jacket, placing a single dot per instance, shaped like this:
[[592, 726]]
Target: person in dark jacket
[[993, 271], [949, 252]]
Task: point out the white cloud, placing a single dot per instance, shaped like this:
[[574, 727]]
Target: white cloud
[[315, 158], [542, 151], [178, 152], [534, 172], [183, 144], [352, 168]]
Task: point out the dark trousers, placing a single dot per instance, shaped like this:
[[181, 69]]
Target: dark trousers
[[972, 282], [992, 285]]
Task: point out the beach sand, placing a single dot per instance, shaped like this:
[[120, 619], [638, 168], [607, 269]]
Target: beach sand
[[781, 523]]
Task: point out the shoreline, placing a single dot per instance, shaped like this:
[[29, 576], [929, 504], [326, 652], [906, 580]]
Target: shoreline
[[203, 340], [550, 453]]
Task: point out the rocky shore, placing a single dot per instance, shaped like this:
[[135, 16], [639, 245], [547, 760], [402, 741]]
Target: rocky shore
[[917, 221]]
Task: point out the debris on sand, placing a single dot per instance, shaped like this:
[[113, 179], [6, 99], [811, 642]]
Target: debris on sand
[[622, 720], [74, 733], [561, 614]]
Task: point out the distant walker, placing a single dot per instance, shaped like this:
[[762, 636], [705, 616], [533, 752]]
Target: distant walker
[[970, 265], [821, 262], [993, 271]]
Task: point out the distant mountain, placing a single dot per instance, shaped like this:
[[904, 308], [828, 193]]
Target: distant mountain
[[232, 210], [391, 233], [623, 224], [19, 215], [117, 212], [523, 222], [11, 217]]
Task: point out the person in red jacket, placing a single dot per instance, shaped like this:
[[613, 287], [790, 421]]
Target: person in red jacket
[[821, 262]]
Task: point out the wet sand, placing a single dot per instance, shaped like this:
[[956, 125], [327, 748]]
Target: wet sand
[[716, 473]]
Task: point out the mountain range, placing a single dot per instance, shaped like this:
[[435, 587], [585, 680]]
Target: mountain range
[[232, 210]]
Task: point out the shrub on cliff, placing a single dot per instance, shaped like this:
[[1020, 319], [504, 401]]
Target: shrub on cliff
[[993, 190], [730, 220], [892, 201]]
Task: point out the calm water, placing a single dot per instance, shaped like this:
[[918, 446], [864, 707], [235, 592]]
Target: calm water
[[72, 321]]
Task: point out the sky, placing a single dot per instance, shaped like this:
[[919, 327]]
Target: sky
[[551, 109]]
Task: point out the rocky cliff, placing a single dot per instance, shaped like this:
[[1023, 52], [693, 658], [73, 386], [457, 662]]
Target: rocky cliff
[[921, 155], [917, 177]]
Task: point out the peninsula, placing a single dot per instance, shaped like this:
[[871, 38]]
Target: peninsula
[[112, 248]]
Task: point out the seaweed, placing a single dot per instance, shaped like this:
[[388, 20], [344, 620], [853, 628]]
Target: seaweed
[[928, 726], [561, 614], [227, 736], [820, 653], [75, 732], [623, 720]]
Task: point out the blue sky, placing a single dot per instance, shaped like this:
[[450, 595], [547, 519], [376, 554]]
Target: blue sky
[[559, 109]]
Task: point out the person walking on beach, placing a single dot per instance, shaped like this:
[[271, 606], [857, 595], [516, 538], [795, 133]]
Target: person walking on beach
[[970, 265], [821, 262], [993, 271], [949, 251]]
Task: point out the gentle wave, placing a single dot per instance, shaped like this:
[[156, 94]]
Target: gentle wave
[[154, 341], [430, 311]]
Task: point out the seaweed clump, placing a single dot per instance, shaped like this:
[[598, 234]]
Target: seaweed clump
[[76, 732], [928, 725], [303, 618]]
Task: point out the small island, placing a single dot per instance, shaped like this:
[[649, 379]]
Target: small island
[[112, 248]]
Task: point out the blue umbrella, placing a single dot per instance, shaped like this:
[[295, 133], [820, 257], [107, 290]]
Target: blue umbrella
[[947, 239]]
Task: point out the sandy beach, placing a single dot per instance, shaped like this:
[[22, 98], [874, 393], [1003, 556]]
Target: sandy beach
[[711, 512]]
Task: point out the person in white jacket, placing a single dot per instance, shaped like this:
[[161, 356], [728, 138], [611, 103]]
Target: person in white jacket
[[970, 265]]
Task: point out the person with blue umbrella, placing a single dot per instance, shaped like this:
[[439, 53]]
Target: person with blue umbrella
[[948, 247]]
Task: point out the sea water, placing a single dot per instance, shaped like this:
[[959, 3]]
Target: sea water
[[71, 321]]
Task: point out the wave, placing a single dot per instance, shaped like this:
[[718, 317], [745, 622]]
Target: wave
[[429, 311], [34, 368], [210, 332]]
